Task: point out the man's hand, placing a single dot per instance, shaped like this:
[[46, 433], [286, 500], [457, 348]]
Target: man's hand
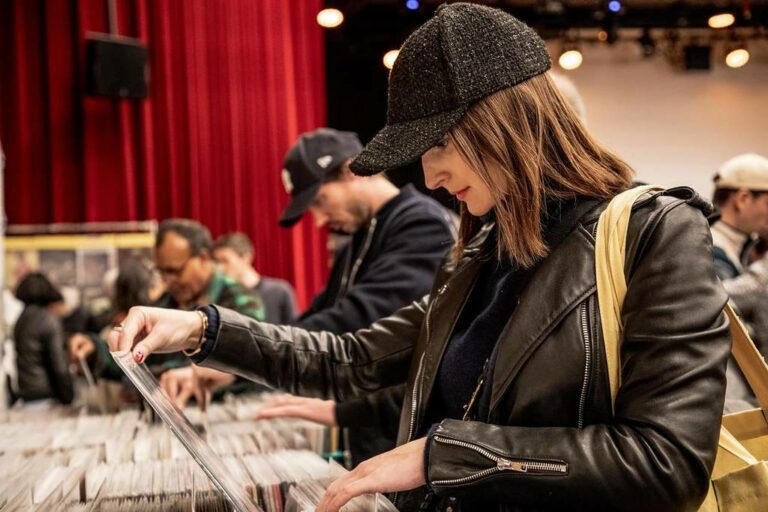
[[312, 409], [80, 347], [181, 384]]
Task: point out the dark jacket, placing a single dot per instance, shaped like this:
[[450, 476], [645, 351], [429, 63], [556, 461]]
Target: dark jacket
[[386, 265], [279, 300], [550, 440], [41, 356]]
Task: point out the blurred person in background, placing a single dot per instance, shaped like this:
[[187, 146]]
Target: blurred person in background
[[183, 260], [741, 198], [136, 285], [43, 372], [234, 254]]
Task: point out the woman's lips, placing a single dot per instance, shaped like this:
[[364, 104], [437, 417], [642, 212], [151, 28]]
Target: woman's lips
[[461, 194]]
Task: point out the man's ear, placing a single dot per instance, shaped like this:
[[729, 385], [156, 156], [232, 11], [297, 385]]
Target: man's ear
[[346, 172], [205, 255], [742, 197]]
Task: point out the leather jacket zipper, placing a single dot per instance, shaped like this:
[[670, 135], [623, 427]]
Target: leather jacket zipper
[[416, 381], [414, 399], [587, 338], [502, 464]]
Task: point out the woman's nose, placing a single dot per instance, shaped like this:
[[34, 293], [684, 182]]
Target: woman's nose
[[432, 179]]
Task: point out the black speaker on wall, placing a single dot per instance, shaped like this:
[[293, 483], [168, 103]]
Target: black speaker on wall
[[697, 57], [117, 67]]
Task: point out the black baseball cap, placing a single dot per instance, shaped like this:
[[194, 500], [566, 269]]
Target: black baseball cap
[[461, 55], [313, 157]]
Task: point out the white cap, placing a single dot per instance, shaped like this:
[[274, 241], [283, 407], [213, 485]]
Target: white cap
[[748, 171]]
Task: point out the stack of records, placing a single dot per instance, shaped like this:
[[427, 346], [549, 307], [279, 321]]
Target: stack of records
[[56, 459]]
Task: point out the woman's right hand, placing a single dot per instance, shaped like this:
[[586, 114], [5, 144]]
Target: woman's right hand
[[148, 330]]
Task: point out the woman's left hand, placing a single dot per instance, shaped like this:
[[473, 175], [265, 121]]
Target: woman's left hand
[[400, 469]]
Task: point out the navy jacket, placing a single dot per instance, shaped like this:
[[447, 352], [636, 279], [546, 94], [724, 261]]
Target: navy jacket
[[386, 266]]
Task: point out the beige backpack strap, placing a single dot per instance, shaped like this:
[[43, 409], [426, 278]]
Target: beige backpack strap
[[610, 253]]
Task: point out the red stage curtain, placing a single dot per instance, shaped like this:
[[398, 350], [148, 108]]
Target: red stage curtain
[[232, 83]]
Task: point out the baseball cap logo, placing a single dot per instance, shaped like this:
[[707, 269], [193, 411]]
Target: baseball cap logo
[[287, 181], [324, 161]]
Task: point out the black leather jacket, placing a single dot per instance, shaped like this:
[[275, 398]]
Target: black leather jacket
[[551, 441], [41, 356]]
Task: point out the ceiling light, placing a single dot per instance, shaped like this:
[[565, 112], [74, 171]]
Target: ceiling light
[[330, 18], [736, 58], [722, 20], [390, 57], [570, 59]]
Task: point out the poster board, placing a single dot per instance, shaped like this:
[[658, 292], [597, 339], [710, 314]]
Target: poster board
[[80, 265]]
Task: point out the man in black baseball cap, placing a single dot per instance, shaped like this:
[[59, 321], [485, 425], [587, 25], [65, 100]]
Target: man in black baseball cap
[[398, 239], [316, 158]]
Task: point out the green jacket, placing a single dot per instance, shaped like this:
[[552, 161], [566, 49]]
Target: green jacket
[[224, 292]]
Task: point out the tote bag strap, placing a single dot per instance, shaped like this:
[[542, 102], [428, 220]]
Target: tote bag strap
[[610, 252], [749, 358]]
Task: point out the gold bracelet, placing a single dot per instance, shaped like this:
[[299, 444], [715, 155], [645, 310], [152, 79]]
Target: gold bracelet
[[201, 339]]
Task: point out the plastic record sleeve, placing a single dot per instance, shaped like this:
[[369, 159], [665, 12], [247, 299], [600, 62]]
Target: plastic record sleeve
[[200, 451]]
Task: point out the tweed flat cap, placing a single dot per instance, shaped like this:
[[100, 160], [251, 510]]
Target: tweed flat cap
[[463, 54]]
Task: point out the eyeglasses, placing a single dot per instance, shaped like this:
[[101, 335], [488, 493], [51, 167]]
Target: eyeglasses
[[167, 272]]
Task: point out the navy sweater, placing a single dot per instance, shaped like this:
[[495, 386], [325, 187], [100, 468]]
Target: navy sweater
[[492, 301]]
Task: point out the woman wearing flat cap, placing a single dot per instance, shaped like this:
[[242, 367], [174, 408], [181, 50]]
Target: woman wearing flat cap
[[508, 404]]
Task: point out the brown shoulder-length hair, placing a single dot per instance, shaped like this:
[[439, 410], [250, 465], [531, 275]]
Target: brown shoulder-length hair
[[528, 145]]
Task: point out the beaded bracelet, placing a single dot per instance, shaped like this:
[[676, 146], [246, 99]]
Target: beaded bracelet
[[201, 339]]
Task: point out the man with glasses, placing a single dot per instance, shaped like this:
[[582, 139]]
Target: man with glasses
[[183, 257]]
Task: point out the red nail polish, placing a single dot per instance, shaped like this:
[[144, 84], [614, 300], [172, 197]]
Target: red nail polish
[[139, 356]]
